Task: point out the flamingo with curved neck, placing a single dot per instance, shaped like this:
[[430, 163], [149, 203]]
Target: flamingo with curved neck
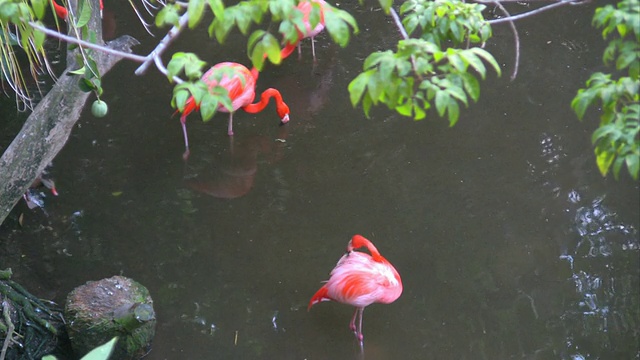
[[241, 88], [360, 279]]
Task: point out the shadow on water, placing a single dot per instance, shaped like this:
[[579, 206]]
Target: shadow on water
[[509, 242]]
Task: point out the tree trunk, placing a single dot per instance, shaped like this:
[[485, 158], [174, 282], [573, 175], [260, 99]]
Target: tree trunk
[[47, 129]]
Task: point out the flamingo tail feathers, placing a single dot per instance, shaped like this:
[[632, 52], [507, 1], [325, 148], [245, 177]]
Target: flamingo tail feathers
[[321, 295]]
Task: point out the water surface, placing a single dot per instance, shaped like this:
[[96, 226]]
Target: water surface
[[509, 242]]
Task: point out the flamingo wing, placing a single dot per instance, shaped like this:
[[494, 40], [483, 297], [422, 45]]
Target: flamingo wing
[[241, 86], [358, 280]]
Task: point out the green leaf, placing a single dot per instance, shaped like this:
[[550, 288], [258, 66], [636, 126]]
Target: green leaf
[[604, 159], [39, 7], [217, 7], [419, 111], [458, 93], [375, 87], [442, 101], [102, 352], [386, 5], [86, 85], [180, 97], [475, 62], [208, 106], [472, 86], [453, 110], [633, 165], [366, 104], [357, 86], [272, 47], [77, 72], [195, 8], [337, 28], [625, 59], [581, 103], [488, 58], [85, 16], [457, 62]]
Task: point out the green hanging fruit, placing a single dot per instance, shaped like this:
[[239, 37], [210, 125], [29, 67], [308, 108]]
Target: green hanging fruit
[[99, 108]]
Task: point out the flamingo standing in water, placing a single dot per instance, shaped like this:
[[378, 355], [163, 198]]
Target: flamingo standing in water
[[360, 279], [241, 87], [306, 7]]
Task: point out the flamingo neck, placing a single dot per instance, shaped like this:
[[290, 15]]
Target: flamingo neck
[[264, 101], [359, 241]]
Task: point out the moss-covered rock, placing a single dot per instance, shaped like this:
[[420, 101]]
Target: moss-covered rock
[[99, 310]]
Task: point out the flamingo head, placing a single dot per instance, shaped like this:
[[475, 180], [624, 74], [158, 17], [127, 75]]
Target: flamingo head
[[359, 241], [283, 112], [61, 11], [49, 184]]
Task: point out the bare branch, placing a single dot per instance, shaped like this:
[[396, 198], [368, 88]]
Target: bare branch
[[533, 12], [74, 40], [516, 38], [399, 25], [163, 44]]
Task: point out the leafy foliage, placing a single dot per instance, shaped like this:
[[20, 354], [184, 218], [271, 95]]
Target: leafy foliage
[[207, 98], [15, 16], [617, 140], [16, 20], [440, 21], [422, 73], [245, 14]]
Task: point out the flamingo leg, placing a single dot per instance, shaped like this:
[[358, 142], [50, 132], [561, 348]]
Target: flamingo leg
[[230, 128], [183, 122], [352, 324], [313, 49], [359, 331]]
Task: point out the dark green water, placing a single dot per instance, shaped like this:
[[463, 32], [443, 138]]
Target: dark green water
[[509, 242]]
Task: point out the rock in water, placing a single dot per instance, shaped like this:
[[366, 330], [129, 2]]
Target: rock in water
[[99, 310]]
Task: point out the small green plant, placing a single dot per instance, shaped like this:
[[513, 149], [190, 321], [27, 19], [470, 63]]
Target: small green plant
[[616, 140]]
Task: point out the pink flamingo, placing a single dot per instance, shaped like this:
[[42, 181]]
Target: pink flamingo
[[306, 7], [241, 87], [360, 279]]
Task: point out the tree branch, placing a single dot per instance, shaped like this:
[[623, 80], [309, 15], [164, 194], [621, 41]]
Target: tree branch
[[87, 44], [532, 12], [516, 38], [163, 44]]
